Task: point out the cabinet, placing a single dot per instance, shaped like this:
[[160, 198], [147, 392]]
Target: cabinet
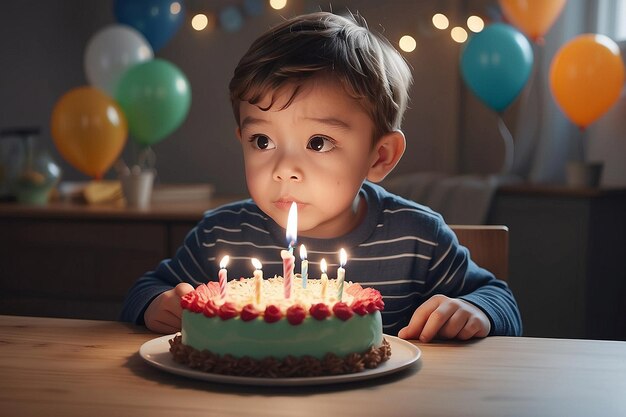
[[567, 259], [69, 260]]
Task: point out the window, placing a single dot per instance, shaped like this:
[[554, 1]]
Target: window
[[612, 19]]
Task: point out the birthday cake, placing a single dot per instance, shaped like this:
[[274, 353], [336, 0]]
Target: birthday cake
[[250, 328]]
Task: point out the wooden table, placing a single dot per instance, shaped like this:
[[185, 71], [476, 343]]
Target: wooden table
[[66, 367]]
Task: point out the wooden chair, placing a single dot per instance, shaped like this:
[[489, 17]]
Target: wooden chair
[[488, 245]]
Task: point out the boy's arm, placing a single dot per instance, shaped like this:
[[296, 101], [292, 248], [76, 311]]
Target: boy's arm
[[182, 268], [455, 275], [495, 299]]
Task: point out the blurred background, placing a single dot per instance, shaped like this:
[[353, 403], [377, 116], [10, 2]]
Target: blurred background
[[448, 128]]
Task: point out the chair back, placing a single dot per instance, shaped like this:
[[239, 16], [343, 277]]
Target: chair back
[[488, 246]]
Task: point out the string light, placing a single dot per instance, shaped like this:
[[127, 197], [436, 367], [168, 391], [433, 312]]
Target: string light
[[458, 34], [231, 19], [175, 8], [440, 21], [407, 43], [278, 4], [199, 22], [475, 24]]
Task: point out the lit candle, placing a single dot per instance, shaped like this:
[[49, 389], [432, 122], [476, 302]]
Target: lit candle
[[341, 273], [324, 279], [289, 261], [223, 276], [258, 279], [304, 266]]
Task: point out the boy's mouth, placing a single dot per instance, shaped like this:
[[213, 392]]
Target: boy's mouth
[[284, 203]]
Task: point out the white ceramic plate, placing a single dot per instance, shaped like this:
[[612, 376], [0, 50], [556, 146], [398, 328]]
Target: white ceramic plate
[[156, 353]]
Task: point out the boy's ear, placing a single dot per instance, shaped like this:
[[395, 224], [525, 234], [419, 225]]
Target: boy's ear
[[386, 154], [238, 133]]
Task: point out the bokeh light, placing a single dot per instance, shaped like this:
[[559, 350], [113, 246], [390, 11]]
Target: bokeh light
[[278, 4], [440, 21], [407, 43], [458, 34], [475, 24], [199, 22]]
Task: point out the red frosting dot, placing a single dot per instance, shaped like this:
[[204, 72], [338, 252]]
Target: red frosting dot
[[319, 311], [210, 309], [272, 314], [186, 300], [360, 307], [249, 312], [227, 311], [295, 314], [342, 311]]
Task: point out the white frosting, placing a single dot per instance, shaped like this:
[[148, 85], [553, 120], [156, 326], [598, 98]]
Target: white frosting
[[242, 292]]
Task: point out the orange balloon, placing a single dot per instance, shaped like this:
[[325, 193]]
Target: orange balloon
[[533, 17], [89, 130], [586, 77]]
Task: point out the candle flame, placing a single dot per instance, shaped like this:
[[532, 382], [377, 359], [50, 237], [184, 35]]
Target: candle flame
[[224, 261], [343, 257], [292, 225], [323, 266], [256, 263], [302, 252]]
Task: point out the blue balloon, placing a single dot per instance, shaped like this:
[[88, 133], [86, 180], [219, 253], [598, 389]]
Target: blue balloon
[[157, 20], [496, 64]]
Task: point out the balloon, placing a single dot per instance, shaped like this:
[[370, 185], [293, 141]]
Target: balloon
[[157, 20], [496, 64], [110, 52], [89, 130], [534, 18], [587, 77], [155, 97]]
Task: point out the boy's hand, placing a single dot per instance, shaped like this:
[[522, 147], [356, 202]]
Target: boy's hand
[[164, 313], [446, 318]]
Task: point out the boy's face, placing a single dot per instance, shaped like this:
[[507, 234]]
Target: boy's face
[[316, 152]]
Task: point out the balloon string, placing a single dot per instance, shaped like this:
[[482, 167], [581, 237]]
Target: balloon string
[[146, 159], [508, 147], [535, 139]]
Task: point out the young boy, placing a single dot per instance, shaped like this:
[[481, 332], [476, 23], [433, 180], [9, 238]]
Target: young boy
[[318, 102]]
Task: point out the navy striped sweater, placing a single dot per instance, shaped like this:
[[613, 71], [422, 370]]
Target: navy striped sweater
[[403, 249]]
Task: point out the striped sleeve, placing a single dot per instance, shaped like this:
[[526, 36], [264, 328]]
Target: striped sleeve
[[455, 274]]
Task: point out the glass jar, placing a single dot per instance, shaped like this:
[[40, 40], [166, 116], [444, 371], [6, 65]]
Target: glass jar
[[30, 172]]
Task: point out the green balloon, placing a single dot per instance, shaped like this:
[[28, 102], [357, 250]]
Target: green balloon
[[155, 97]]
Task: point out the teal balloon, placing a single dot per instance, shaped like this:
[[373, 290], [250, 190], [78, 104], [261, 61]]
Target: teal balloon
[[155, 97], [496, 64]]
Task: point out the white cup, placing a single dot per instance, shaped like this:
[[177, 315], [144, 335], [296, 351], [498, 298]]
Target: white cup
[[137, 188], [583, 174]]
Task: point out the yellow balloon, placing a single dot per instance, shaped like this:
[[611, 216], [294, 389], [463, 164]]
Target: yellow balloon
[[533, 17], [89, 130], [587, 77]]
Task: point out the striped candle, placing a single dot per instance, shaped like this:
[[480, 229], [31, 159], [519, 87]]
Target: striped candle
[[223, 277], [289, 262], [304, 266], [341, 272]]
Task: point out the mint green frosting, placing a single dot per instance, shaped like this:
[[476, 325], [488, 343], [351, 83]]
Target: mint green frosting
[[258, 339]]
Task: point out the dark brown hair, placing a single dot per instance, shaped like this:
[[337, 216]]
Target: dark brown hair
[[317, 44]]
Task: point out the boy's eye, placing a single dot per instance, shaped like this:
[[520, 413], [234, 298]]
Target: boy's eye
[[320, 144], [262, 142]]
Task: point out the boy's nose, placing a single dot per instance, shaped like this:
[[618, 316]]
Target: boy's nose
[[287, 170]]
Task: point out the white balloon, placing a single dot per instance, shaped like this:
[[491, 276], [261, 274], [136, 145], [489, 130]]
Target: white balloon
[[110, 52]]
